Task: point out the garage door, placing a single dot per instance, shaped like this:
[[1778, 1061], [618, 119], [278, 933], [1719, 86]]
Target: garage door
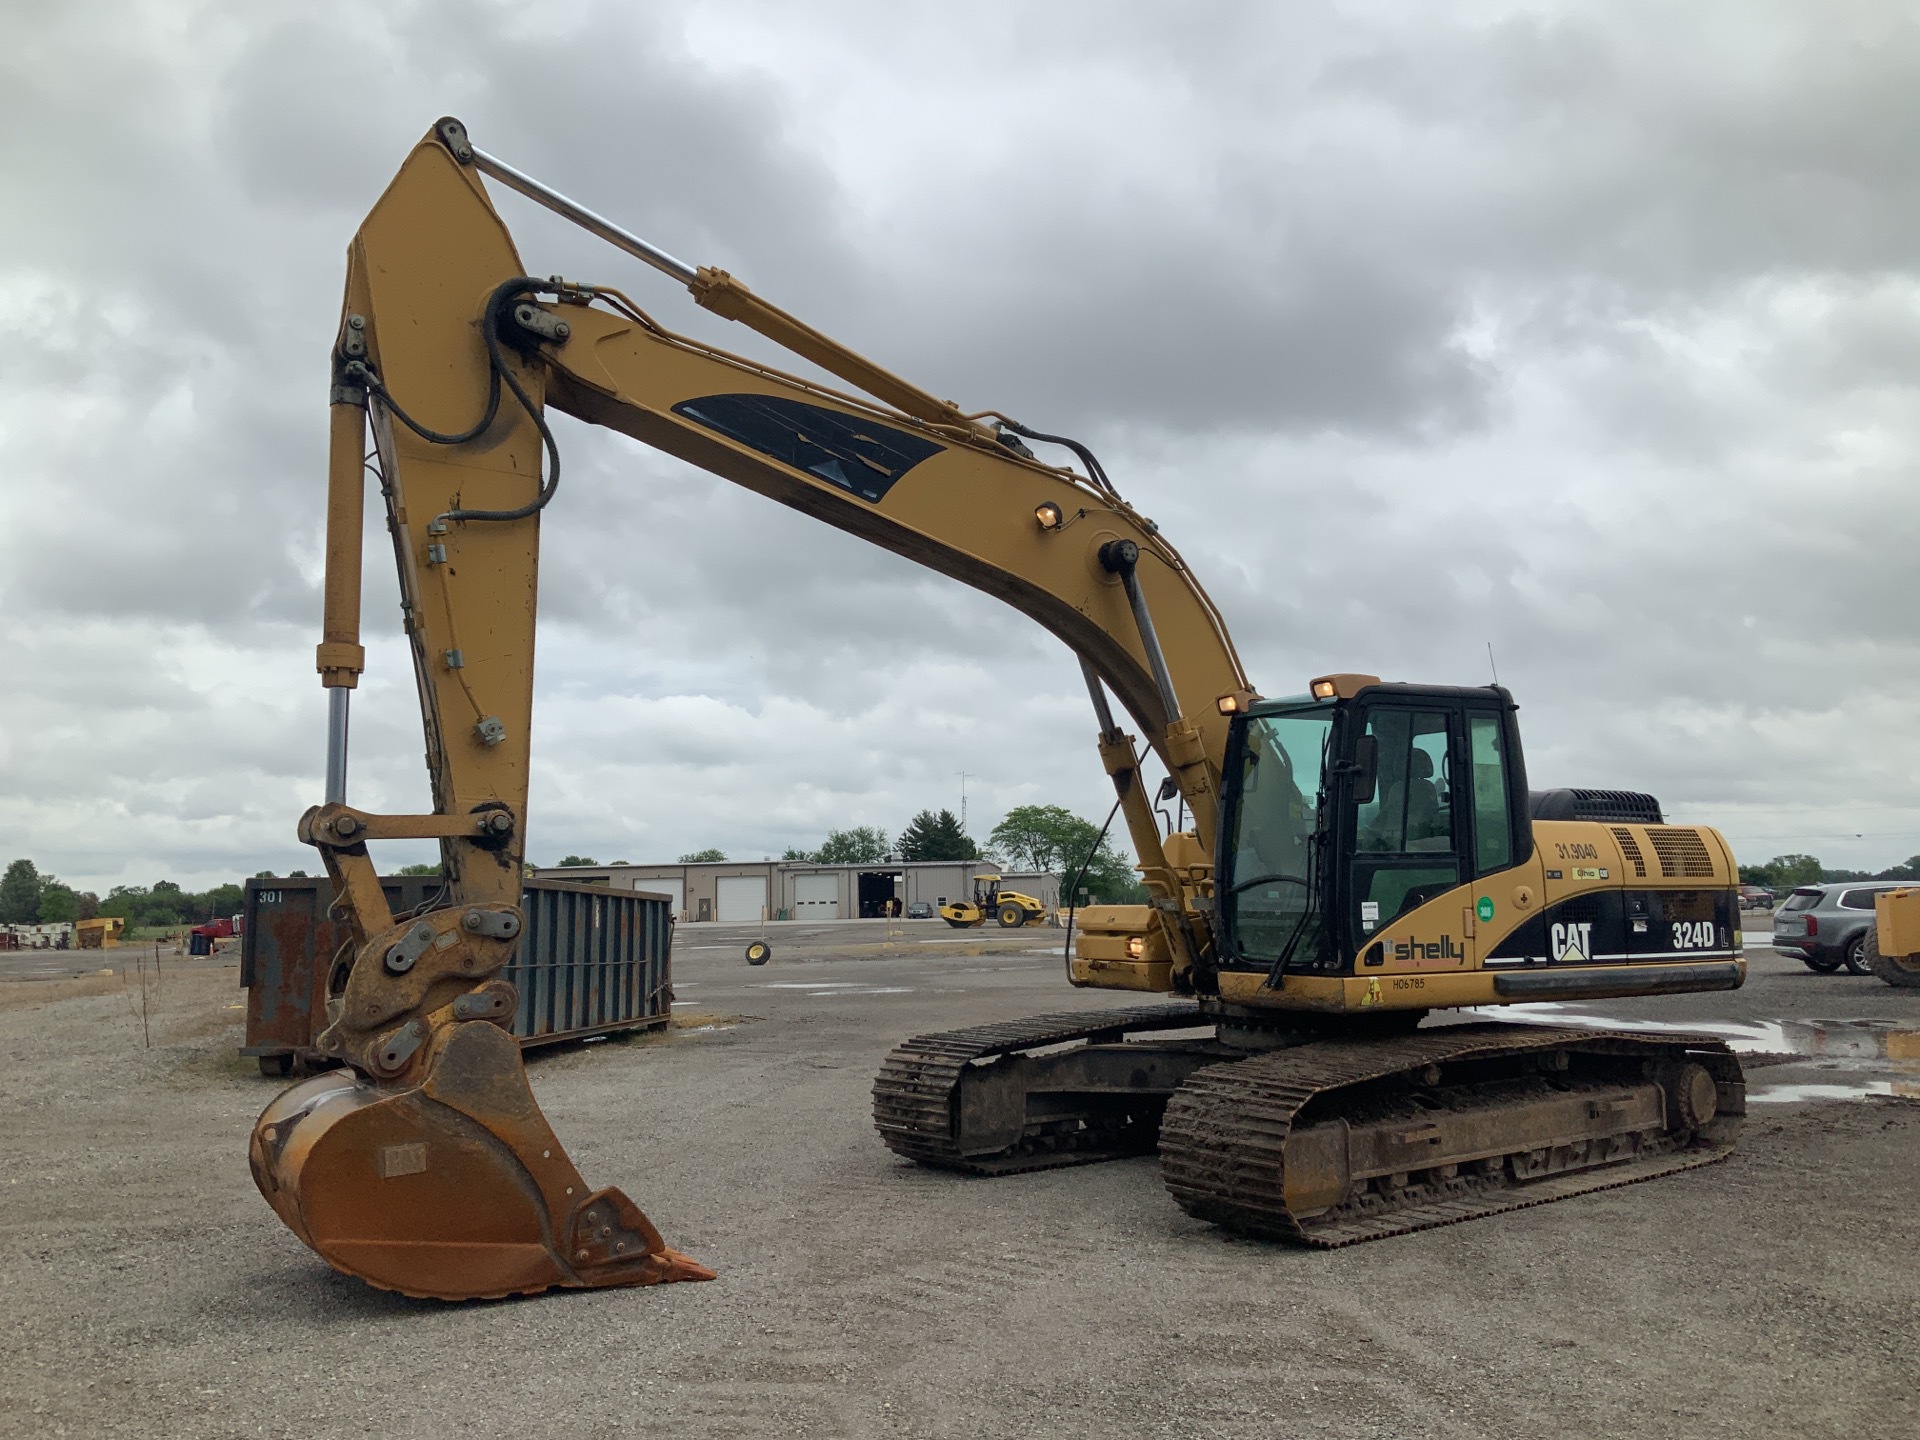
[[741, 897], [674, 889], [816, 897]]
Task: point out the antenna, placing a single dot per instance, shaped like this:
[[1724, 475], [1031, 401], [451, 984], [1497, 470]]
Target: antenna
[[1490, 665], [963, 801]]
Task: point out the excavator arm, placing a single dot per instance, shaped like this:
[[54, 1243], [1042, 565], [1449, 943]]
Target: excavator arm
[[425, 1165]]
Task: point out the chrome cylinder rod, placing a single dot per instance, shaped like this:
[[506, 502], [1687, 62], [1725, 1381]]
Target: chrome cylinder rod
[[1102, 711], [583, 217], [1150, 642], [337, 745]]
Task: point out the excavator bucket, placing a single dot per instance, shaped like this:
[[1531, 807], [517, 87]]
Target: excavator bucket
[[450, 1185]]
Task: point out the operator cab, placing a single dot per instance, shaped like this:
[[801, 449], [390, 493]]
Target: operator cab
[[1350, 806]]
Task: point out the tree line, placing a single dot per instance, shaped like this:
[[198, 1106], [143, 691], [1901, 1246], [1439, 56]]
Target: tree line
[[1046, 838], [1783, 872], [29, 897]]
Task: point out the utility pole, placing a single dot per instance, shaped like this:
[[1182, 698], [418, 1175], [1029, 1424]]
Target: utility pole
[[963, 802]]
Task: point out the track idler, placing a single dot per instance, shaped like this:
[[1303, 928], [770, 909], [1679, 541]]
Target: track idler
[[427, 1167]]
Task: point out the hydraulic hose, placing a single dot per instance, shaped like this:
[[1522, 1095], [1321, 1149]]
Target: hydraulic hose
[[498, 372]]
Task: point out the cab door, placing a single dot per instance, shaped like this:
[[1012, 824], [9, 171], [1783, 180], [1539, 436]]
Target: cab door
[[1409, 846]]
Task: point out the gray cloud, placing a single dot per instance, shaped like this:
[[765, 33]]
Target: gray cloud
[[1590, 333]]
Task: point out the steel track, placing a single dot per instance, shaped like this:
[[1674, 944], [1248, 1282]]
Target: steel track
[[1224, 1131]]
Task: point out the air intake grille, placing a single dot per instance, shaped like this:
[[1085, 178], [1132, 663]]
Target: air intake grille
[[1682, 853], [1630, 848], [1616, 805]]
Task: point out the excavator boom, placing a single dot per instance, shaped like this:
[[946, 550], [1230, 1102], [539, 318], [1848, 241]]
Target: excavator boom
[[424, 1164]]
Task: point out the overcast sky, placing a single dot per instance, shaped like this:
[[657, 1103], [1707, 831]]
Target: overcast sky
[[1587, 331]]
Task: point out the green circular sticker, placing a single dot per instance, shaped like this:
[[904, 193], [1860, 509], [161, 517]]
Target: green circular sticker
[[1485, 908]]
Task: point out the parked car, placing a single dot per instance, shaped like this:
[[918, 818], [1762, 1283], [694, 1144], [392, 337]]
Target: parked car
[[1826, 926], [920, 910], [1755, 897]]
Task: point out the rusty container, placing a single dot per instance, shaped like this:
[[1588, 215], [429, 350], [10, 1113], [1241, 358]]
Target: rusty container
[[592, 961]]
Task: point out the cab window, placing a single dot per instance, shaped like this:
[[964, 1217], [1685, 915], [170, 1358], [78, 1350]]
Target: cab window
[[1492, 824], [1405, 851], [1411, 810], [1275, 817]]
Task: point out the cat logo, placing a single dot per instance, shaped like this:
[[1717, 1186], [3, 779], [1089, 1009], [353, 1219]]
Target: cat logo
[[1573, 943]]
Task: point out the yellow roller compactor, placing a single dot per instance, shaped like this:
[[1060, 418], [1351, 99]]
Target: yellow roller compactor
[[1363, 854], [1009, 907]]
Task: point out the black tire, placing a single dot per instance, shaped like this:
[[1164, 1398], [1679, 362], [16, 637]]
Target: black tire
[[1856, 954], [1012, 917], [1900, 970], [1821, 964], [759, 952]]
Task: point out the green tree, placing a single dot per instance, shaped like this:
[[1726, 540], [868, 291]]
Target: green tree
[[936, 837], [1042, 837], [695, 857], [1908, 869], [1110, 878], [794, 852], [123, 901], [1790, 870], [168, 905], [1783, 872], [858, 846], [58, 902], [1053, 839], [570, 861], [20, 894], [425, 869]]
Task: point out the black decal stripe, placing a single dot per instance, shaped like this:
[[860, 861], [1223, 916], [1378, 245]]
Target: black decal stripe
[[860, 456]]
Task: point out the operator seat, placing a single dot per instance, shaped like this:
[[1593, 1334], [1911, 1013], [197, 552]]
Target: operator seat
[[1425, 821]]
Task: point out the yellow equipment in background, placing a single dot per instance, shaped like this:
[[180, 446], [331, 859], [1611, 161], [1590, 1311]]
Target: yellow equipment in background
[[1893, 944], [1011, 908], [101, 933]]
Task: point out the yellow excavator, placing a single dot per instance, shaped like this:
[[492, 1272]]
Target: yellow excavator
[[1010, 907], [1362, 853]]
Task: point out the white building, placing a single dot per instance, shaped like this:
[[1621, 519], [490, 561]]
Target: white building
[[744, 891]]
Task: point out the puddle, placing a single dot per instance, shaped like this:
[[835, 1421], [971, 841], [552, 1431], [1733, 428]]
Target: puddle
[[1839, 1039], [1828, 1060], [1800, 1094]]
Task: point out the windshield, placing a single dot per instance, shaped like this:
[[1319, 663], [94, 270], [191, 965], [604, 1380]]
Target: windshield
[[1271, 891]]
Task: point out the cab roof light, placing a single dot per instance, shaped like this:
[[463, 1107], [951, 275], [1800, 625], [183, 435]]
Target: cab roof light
[[1235, 702], [1343, 686]]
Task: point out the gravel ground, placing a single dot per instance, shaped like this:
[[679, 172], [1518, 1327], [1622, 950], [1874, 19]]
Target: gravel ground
[[149, 1291]]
